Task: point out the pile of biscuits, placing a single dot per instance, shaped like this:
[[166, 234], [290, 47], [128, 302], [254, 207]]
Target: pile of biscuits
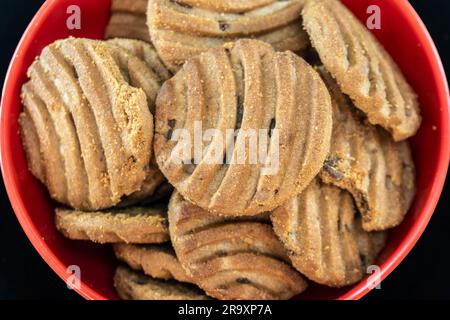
[[102, 119]]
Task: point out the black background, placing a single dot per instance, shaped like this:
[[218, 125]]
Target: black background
[[424, 274]]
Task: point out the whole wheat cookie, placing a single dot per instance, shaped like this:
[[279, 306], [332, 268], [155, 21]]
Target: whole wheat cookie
[[231, 258], [156, 261], [140, 225], [362, 67], [250, 89], [131, 285], [366, 161], [86, 125], [182, 29], [128, 20], [324, 236], [155, 185]]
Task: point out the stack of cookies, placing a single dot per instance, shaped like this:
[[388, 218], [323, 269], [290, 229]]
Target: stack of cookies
[[226, 149]]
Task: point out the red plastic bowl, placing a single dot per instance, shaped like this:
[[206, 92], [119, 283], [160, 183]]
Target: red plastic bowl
[[402, 33]]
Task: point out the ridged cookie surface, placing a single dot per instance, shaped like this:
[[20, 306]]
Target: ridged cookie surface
[[362, 67], [139, 225], [248, 88], [131, 285], [147, 53], [94, 127], [156, 261], [324, 236], [231, 258], [182, 29], [128, 20], [366, 161]]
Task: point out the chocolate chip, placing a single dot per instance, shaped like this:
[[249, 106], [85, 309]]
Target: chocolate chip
[[169, 134], [363, 259], [330, 167], [223, 25], [242, 280], [332, 161], [172, 123], [273, 123], [132, 159]]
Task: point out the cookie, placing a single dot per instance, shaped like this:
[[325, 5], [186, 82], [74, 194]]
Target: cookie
[[182, 29], [139, 225], [90, 120], [362, 67], [323, 234], [231, 258], [155, 186], [248, 88], [366, 161], [156, 261], [131, 285], [128, 20]]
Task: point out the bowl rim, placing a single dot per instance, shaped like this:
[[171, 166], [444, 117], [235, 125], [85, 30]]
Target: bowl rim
[[6, 159], [395, 258]]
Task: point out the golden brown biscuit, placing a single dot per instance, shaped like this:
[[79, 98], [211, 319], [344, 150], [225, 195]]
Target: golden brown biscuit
[[94, 127], [182, 29], [362, 67], [156, 261], [324, 237], [243, 87], [231, 258], [367, 162], [155, 186], [131, 285], [128, 20], [140, 225]]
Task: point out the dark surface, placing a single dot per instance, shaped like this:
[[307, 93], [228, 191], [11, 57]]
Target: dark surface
[[423, 274]]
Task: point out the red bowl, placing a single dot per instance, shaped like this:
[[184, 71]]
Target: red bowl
[[402, 33]]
